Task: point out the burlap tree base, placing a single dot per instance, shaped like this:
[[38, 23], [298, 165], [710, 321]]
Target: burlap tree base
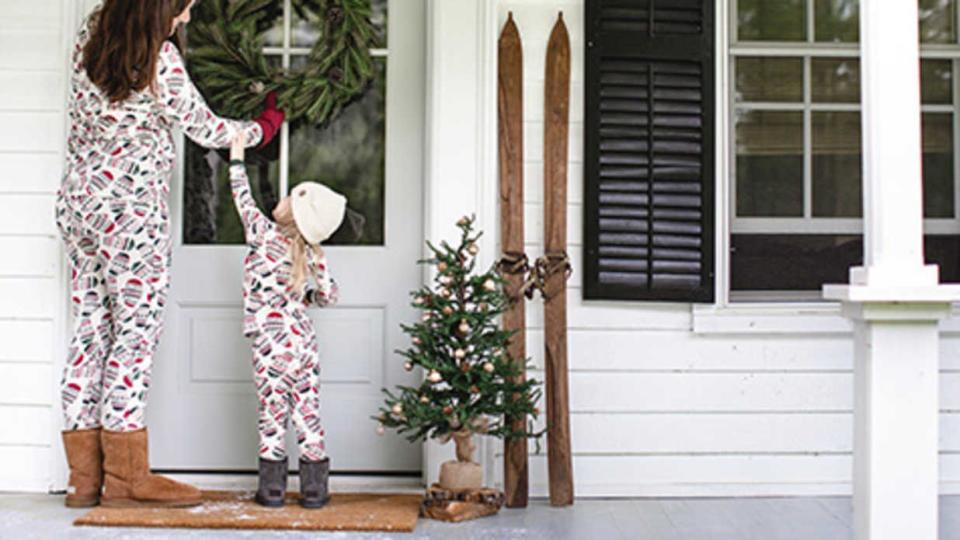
[[454, 506]]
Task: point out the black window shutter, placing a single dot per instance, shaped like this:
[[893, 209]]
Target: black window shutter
[[649, 156]]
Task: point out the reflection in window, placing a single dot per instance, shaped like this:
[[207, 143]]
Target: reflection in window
[[769, 163], [348, 156]]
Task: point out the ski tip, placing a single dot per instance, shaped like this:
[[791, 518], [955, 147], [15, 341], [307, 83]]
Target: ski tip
[[560, 15], [509, 16]]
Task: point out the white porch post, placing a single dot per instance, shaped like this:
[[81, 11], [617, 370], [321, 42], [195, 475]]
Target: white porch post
[[894, 299]]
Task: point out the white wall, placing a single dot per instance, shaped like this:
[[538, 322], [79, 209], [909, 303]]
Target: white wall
[[672, 399], [32, 73]]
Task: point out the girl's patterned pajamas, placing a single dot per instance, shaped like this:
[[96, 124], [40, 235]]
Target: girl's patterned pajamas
[[286, 372], [111, 211]]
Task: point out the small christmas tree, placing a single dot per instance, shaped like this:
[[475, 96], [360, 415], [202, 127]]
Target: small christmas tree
[[471, 383]]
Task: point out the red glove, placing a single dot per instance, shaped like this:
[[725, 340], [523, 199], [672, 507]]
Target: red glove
[[270, 120]]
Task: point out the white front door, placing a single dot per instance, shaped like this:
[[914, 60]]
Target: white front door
[[202, 413]]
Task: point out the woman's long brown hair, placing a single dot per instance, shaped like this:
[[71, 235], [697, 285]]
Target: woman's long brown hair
[[120, 56]]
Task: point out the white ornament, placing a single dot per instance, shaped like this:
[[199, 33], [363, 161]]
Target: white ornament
[[434, 376], [488, 367], [417, 341], [424, 399], [459, 354], [490, 285], [397, 408], [464, 327], [408, 366], [418, 300], [473, 249], [381, 430]]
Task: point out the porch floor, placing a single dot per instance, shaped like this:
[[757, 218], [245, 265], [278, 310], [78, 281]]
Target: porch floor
[[800, 518]]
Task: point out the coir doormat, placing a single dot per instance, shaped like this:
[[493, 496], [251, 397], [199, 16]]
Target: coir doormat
[[236, 510]]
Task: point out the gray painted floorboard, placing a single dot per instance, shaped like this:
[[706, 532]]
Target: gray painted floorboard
[[797, 518]]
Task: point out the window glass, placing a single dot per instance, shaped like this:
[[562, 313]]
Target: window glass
[[348, 156], [769, 163], [766, 20], [835, 80], [769, 79], [936, 78], [938, 21], [837, 20], [836, 164], [938, 184]]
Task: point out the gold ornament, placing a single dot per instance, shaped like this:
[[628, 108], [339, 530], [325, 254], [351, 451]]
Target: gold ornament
[[442, 266], [397, 408], [464, 328], [483, 306], [488, 367], [459, 354], [490, 285], [445, 292], [381, 430], [424, 400], [473, 249], [462, 222], [417, 340], [408, 366], [447, 310], [434, 376]]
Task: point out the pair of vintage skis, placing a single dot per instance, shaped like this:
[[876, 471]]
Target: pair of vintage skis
[[552, 269]]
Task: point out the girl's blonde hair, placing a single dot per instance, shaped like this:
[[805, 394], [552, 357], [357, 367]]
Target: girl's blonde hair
[[301, 255]]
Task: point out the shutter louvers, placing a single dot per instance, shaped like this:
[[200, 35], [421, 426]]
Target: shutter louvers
[[649, 150]]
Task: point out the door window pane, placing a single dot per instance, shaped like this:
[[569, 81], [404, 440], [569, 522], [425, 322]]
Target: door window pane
[[938, 165], [769, 79], [209, 214], [835, 80], [837, 20], [938, 21], [305, 30], [936, 81], [769, 163], [766, 20], [836, 164], [348, 156]]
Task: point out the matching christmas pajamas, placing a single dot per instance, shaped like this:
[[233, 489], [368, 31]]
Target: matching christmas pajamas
[[286, 371], [112, 214]]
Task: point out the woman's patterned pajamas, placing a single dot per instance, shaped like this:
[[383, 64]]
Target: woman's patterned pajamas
[[286, 372], [112, 214]]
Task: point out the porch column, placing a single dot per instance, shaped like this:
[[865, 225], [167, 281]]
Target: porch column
[[894, 299]]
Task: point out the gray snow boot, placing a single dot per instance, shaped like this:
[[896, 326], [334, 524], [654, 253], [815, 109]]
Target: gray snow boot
[[273, 483], [314, 483]]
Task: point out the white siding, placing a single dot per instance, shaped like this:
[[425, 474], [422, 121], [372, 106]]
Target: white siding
[[32, 67], [661, 409]]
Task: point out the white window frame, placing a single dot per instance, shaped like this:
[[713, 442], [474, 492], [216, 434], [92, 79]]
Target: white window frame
[[802, 315], [286, 51], [807, 50]]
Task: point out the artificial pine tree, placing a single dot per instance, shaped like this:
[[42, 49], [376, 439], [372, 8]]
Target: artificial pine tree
[[471, 383]]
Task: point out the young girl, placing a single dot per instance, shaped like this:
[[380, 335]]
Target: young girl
[[281, 255]]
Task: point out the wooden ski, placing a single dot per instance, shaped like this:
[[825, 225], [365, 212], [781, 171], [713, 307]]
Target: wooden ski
[[554, 266], [513, 264]]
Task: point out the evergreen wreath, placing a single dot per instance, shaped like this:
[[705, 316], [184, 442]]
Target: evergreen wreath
[[227, 61]]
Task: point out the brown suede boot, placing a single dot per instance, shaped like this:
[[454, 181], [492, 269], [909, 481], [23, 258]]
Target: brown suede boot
[[127, 480], [85, 460]]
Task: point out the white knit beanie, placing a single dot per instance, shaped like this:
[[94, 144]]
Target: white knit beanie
[[317, 210]]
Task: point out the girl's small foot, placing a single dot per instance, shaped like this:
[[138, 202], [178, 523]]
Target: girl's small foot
[[273, 483], [314, 483]]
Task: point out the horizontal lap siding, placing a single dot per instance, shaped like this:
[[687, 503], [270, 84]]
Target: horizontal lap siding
[[660, 410], [32, 74]]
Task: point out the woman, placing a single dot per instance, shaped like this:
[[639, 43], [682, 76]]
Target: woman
[[129, 91]]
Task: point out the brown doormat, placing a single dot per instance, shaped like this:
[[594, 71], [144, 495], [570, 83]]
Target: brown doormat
[[236, 510]]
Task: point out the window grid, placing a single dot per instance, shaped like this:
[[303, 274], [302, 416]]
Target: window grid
[[808, 50]]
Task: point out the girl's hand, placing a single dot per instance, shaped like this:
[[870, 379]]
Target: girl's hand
[[237, 147]]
